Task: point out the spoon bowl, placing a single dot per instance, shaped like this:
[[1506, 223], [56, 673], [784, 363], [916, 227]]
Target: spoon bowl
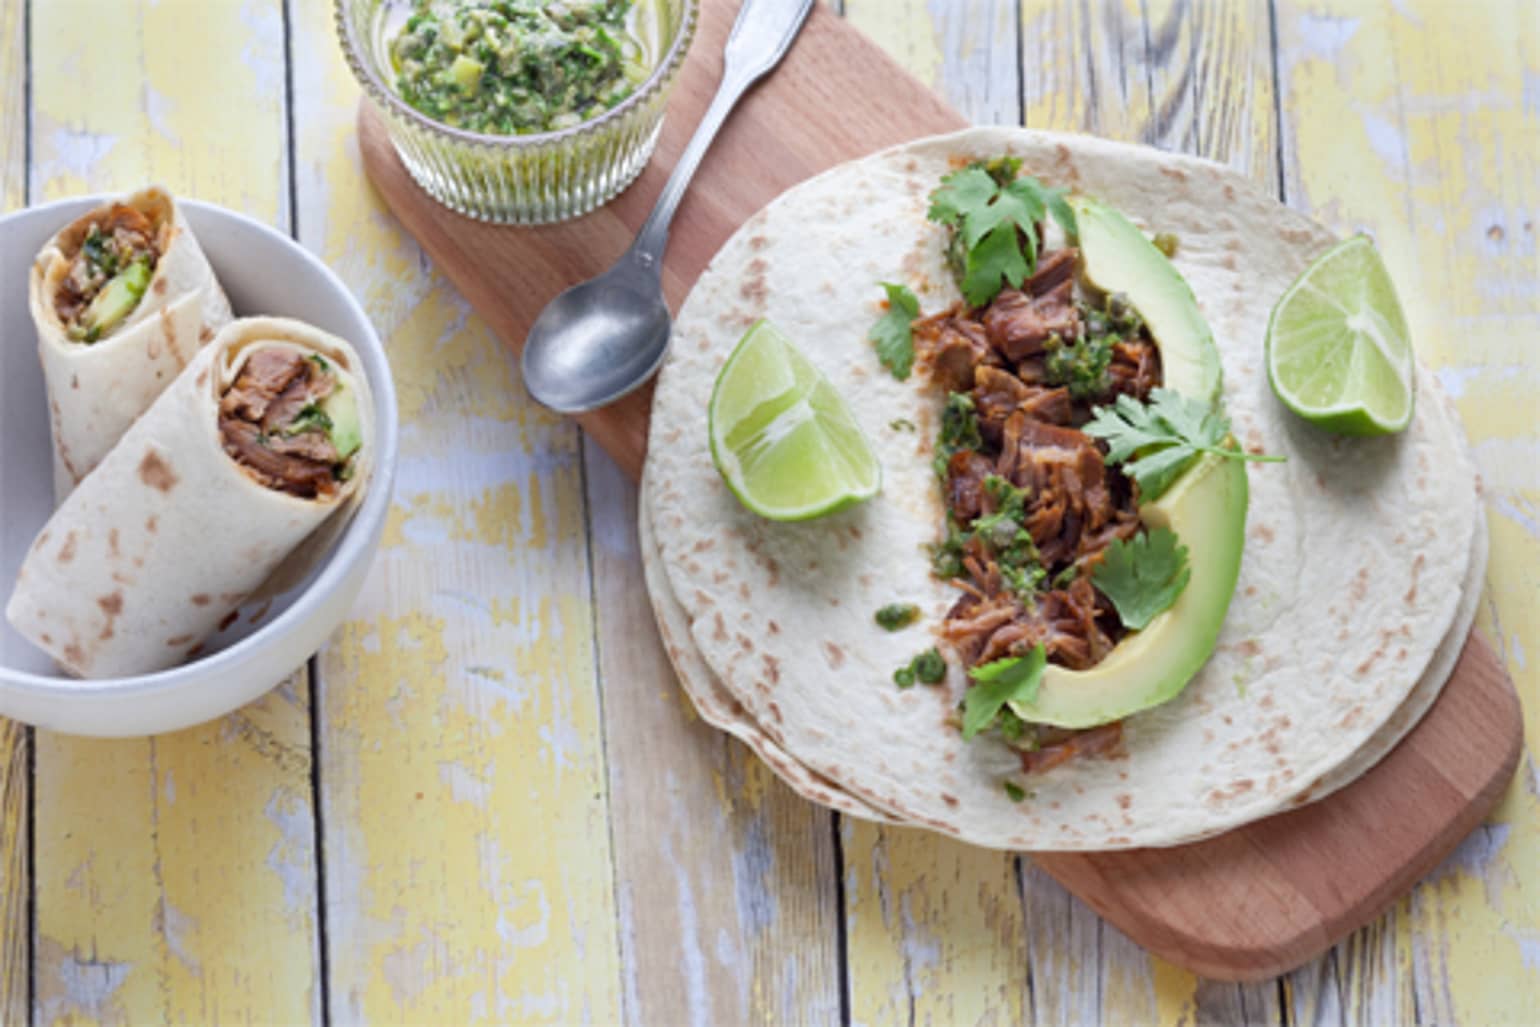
[[598, 340]]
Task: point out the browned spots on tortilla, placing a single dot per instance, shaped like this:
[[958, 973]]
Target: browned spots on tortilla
[[46, 638], [775, 711], [1174, 173], [67, 551], [156, 473], [1251, 590], [774, 569], [950, 800], [720, 627], [1125, 801], [202, 599], [743, 590], [1229, 191], [836, 655], [1266, 702], [1360, 586], [178, 641], [1351, 717], [228, 619], [758, 242], [204, 335], [159, 286], [775, 629], [745, 643], [1411, 593], [1263, 533], [1228, 262], [704, 544], [169, 326], [111, 605], [74, 381], [702, 599], [195, 652], [74, 656], [1233, 791], [202, 379], [152, 524], [260, 612], [772, 669], [153, 349], [833, 600], [1249, 649], [855, 532], [717, 577], [112, 541]]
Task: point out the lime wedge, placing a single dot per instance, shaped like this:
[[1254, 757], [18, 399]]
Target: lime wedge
[[782, 437], [1338, 352]]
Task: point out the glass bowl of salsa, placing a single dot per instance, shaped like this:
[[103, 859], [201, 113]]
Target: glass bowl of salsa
[[519, 111]]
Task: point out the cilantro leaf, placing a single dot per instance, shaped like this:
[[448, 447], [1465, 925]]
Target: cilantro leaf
[[1013, 679], [891, 333], [961, 193], [1143, 576], [1156, 441], [997, 256]]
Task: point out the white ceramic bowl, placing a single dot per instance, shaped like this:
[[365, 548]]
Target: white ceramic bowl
[[263, 272]]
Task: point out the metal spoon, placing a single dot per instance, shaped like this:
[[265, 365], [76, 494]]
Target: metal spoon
[[602, 338]]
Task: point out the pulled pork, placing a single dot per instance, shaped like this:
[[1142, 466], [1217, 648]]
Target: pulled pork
[[262, 420], [1032, 365], [110, 244]]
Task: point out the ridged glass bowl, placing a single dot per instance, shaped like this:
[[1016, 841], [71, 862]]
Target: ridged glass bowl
[[523, 179]]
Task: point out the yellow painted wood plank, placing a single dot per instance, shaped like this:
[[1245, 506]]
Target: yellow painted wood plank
[[15, 740], [175, 875], [726, 879], [1420, 122], [467, 848]]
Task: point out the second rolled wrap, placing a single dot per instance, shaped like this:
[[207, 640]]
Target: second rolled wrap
[[200, 502]]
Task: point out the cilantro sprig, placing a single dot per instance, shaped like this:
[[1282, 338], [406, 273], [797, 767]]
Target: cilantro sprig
[[995, 215], [891, 333], [1013, 679], [1143, 576], [1156, 441]]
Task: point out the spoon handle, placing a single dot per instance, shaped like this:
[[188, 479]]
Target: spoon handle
[[760, 37]]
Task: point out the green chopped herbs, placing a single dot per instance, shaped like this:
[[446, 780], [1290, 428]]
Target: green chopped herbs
[[1143, 576], [896, 616], [1156, 441], [959, 430], [901, 424], [310, 417], [995, 215], [891, 333], [1014, 791], [1003, 536], [1166, 243], [513, 67], [1080, 364], [1013, 679], [928, 668]]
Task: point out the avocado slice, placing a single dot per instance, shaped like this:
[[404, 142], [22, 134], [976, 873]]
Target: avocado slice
[[116, 301], [1118, 258], [1207, 510], [341, 407]]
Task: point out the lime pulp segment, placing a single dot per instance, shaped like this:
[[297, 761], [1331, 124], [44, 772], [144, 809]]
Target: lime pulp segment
[[782, 437], [1338, 350]]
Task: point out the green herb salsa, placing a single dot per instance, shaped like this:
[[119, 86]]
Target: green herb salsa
[[518, 67]]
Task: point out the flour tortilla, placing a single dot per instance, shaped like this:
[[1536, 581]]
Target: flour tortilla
[[717, 707], [1346, 588], [96, 390], [169, 534]]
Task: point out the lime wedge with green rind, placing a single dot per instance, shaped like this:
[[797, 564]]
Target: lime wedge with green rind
[[782, 436], [1338, 351]]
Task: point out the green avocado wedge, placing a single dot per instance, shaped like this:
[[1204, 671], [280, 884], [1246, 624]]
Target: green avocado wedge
[[1118, 258], [341, 408], [1207, 510]]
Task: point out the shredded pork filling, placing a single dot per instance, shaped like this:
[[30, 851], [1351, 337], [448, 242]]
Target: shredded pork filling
[[1033, 364], [110, 244], [262, 420]]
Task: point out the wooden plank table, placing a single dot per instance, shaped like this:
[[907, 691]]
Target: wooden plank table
[[486, 800]]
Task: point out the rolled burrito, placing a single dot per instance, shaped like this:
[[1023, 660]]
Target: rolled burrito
[[122, 298], [265, 435]]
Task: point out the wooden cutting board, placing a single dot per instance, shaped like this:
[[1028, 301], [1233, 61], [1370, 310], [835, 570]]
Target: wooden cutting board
[[1246, 905]]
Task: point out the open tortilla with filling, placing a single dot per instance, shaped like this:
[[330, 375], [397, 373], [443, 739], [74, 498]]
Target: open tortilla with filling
[[1348, 585], [717, 707], [264, 438], [122, 298]]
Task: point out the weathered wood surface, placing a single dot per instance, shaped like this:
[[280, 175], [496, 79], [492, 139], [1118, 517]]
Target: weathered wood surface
[[582, 849]]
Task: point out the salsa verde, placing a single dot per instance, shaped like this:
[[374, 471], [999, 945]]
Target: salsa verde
[[516, 67]]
